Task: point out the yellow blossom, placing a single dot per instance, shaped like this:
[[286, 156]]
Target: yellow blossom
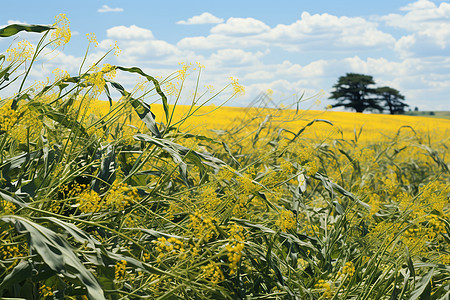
[[120, 270], [213, 273], [61, 35], [116, 49], [60, 74], [89, 201], [120, 196], [109, 71], [92, 38], [8, 117], [286, 220], [182, 73], [237, 88], [45, 291]]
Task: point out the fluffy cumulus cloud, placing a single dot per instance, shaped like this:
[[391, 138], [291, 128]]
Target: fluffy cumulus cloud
[[204, 18], [321, 31], [308, 54], [235, 58], [309, 33], [240, 26], [105, 8], [428, 25], [132, 32], [247, 48]]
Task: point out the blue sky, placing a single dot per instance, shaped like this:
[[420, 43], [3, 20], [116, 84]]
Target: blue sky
[[290, 47]]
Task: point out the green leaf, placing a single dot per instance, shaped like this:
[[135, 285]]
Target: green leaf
[[307, 125], [410, 264], [179, 153], [48, 111], [422, 290], [155, 82], [141, 108], [16, 28], [56, 252], [5, 195], [22, 271], [107, 167]]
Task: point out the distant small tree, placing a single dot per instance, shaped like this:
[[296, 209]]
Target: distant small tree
[[355, 91], [392, 99]]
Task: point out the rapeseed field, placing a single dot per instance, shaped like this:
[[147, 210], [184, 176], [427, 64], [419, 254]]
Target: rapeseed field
[[136, 197]]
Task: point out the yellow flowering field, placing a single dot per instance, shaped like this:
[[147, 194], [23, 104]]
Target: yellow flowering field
[[137, 197]]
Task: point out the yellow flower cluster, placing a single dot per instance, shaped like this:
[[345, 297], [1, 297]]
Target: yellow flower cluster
[[311, 168], [120, 270], [72, 191], [225, 173], [247, 184], [29, 125], [374, 202], [203, 227], [61, 35], [435, 226], [348, 269], [97, 78], [45, 291], [8, 117], [116, 49], [60, 74], [182, 73], [120, 196], [170, 246], [326, 287], [89, 201], [97, 82], [237, 88], [109, 71], [7, 207], [235, 246], [170, 88], [8, 252], [286, 220], [92, 38], [209, 199], [23, 52], [213, 273]]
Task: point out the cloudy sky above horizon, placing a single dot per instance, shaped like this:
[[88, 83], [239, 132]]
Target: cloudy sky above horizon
[[288, 46]]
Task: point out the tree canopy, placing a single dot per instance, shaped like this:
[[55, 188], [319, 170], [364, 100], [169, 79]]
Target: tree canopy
[[392, 99], [358, 92]]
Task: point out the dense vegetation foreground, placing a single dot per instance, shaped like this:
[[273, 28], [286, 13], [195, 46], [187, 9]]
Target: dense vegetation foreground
[[122, 200]]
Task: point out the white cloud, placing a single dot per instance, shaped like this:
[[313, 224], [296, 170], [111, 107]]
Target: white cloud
[[325, 31], [105, 8], [309, 33], [240, 26], [429, 24], [231, 58], [217, 41], [204, 18], [15, 22], [131, 33], [152, 47]]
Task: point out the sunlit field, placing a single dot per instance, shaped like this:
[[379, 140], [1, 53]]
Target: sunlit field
[[136, 197]]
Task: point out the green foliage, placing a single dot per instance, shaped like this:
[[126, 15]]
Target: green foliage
[[115, 205], [355, 91], [393, 99]]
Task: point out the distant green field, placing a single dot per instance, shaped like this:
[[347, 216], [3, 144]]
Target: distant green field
[[433, 114]]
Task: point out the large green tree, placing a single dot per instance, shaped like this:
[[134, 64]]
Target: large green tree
[[355, 91], [393, 100]]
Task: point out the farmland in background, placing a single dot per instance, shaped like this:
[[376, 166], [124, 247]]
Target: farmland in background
[[122, 199]]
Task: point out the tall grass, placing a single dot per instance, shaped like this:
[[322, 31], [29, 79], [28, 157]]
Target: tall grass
[[115, 205]]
